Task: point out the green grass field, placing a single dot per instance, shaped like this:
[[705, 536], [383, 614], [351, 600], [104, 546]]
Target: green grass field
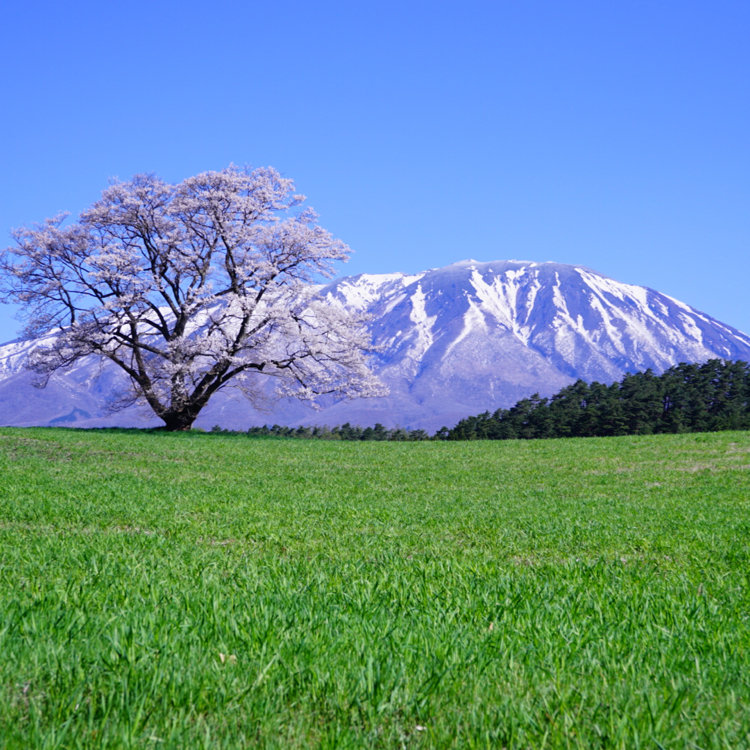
[[195, 590]]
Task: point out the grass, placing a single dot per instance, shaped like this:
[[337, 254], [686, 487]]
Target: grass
[[174, 591]]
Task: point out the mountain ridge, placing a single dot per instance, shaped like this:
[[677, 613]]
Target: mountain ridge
[[450, 342]]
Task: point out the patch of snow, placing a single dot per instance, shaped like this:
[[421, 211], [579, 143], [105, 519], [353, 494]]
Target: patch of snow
[[610, 330], [559, 301], [533, 290], [497, 298], [422, 324], [678, 303], [474, 321], [500, 298], [690, 328]]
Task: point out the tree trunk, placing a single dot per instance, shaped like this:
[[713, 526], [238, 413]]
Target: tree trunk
[[179, 420]]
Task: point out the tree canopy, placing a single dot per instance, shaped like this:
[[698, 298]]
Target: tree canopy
[[190, 288], [704, 397]]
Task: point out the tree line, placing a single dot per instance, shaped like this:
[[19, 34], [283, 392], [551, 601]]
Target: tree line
[[686, 398], [340, 432]]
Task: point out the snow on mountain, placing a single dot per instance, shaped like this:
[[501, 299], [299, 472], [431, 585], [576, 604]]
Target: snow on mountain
[[451, 341]]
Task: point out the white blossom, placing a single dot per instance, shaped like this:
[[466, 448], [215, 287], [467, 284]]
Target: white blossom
[[191, 288]]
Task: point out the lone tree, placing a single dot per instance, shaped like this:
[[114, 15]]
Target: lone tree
[[189, 288]]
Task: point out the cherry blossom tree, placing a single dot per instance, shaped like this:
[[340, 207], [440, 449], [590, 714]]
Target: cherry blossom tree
[[189, 289]]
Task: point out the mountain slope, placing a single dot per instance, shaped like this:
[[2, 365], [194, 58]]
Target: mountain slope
[[452, 341]]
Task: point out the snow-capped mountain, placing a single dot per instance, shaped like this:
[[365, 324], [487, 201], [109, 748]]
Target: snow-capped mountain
[[452, 341]]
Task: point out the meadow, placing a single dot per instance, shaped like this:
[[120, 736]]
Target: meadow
[[199, 590]]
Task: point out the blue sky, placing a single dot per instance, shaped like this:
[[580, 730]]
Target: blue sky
[[612, 135]]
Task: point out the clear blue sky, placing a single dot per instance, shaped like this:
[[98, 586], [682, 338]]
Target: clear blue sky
[[613, 135]]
